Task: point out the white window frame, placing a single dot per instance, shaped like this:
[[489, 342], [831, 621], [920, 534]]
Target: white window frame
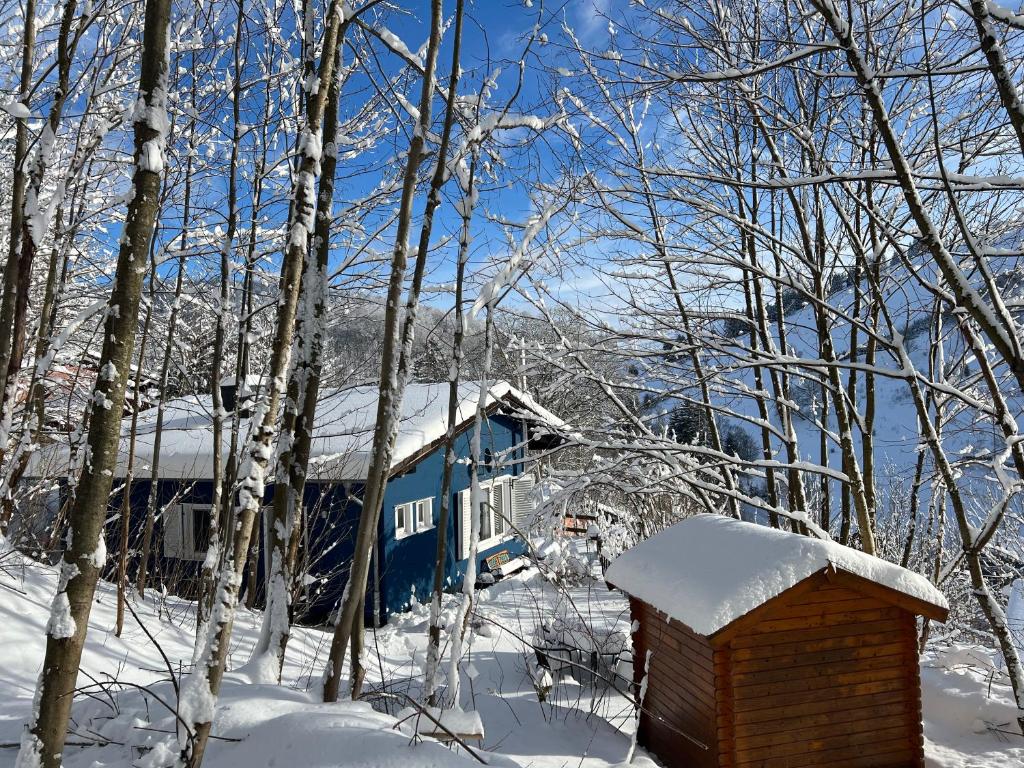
[[405, 528], [410, 511], [425, 521], [179, 534], [486, 491]]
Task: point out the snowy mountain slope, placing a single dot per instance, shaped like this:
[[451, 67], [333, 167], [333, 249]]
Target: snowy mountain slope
[[896, 435], [968, 713]]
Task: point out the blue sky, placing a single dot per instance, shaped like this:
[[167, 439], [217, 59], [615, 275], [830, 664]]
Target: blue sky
[[496, 31]]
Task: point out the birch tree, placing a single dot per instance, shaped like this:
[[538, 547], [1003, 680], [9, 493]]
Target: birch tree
[[199, 694], [302, 393]]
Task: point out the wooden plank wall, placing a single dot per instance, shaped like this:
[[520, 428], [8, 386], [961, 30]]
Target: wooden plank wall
[[829, 679], [680, 697]]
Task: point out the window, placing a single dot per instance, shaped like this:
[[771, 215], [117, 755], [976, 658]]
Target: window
[[424, 514], [403, 525], [186, 530], [495, 507], [200, 531], [414, 517], [485, 520]]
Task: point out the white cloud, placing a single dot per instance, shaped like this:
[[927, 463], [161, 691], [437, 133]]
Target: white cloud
[[591, 19]]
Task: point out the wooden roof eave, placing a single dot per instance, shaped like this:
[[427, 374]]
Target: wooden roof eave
[[828, 576], [841, 578]]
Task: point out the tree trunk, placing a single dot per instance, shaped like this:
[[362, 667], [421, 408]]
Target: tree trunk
[[161, 406], [296, 432], [394, 363], [200, 690], [129, 475], [43, 743], [998, 327], [460, 624], [19, 182], [213, 555], [35, 218], [433, 661], [998, 66]]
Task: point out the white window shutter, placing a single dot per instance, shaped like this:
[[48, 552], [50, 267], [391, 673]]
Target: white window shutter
[[522, 501], [466, 521], [174, 532], [506, 487], [497, 508]]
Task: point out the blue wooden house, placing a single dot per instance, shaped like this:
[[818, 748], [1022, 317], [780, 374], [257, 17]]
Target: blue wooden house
[[403, 567]]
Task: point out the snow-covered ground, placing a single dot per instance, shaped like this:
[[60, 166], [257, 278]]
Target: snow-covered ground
[[969, 717]]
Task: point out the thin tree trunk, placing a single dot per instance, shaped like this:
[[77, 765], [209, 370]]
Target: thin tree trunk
[[973, 537], [758, 334], [395, 365], [998, 66], [433, 660], [129, 475], [19, 183], [780, 379], [34, 219], [37, 391], [915, 503], [996, 324], [42, 744], [46, 347], [213, 555], [813, 247], [200, 690], [165, 371], [460, 624], [295, 437], [938, 512]]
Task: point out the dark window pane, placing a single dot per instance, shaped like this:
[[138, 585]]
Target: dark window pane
[[200, 529], [485, 520]]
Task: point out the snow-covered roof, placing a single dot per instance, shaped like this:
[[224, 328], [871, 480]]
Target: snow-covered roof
[[342, 434], [709, 570]]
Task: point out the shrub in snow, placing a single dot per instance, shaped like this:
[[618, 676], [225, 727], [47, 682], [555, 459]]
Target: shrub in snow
[[542, 682], [562, 563]]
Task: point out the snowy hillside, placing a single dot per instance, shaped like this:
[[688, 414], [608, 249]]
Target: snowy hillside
[[910, 311], [122, 715]]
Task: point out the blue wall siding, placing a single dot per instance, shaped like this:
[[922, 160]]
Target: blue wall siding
[[408, 563], [168, 492], [333, 518], [406, 566]]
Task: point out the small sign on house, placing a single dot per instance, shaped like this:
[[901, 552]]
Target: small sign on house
[[765, 648]]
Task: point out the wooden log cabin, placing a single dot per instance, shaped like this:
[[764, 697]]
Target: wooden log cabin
[[758, 648]]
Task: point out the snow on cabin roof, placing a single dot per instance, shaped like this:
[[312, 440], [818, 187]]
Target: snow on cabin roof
[[710, 570], [343, 429]]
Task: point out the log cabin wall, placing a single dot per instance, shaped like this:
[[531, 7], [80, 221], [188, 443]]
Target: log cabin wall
[[830, 678], [680, 695]]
